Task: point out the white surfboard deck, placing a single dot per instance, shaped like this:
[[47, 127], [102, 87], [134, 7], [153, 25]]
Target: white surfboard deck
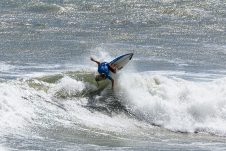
[[121, 61]]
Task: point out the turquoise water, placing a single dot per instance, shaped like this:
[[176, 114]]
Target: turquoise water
[[171, 96]]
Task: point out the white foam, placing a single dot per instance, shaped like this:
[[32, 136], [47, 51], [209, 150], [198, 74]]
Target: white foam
[[172, 103], [3, 148], [71, 84], [97, 120], [4, 67], [83, 116], [67, 87], [15, 110], [21, 105], [177, 104]]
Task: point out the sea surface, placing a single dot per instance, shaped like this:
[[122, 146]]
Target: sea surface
[[170, 96]]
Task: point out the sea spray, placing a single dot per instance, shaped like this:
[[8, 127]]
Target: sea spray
[[67, 87], [14, 105], [176, 104]]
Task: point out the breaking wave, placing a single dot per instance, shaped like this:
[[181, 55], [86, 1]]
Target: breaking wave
[[141, 99], [177, 104]]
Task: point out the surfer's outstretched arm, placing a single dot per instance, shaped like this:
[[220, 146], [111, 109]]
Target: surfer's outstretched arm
[[94, 60]]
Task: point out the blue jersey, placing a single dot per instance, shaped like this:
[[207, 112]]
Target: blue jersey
[[103, 68]]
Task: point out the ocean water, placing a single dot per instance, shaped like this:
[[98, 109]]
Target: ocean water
[[171, 96]]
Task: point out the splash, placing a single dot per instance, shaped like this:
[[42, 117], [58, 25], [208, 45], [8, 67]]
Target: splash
[[141, 99], [177, 104], [101, 54]]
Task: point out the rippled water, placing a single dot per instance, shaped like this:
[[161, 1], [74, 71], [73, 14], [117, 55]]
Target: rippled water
[[171, 96]]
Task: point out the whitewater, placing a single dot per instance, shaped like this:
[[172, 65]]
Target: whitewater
[[170, 96]]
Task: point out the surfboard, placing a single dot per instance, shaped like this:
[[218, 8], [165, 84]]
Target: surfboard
[[121, 61]]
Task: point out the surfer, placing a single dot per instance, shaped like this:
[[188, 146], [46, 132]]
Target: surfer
[[104, 73]]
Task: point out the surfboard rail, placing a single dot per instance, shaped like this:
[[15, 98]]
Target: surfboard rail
[[121, 61]]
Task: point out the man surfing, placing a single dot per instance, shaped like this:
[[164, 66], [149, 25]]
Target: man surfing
[[104, 73]]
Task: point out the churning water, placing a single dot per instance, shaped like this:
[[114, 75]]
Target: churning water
[[171, 96]]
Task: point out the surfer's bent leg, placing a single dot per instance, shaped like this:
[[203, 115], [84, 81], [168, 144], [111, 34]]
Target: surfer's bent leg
[[112, 82]]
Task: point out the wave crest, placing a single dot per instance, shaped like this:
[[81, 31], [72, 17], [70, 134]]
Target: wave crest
[[177, 104]]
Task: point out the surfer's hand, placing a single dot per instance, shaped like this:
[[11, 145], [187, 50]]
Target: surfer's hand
[[91, 58]]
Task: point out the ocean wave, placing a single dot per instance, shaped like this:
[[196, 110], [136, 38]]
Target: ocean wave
[[142, 98], [58, 100], [42, 7], [177, 104], [14, 106], [6, 67], [69, 84]]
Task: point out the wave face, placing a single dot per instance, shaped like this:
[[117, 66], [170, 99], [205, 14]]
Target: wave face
[[67, 106], [63, 107]]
